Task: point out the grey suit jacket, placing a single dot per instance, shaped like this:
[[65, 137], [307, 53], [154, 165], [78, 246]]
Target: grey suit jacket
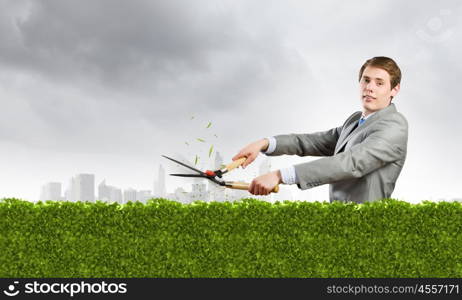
[[361, 163]]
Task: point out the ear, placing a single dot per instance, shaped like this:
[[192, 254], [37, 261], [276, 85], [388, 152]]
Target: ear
[[395, 90]]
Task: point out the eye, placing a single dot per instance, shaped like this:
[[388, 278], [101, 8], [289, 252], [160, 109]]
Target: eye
[[380, 83]]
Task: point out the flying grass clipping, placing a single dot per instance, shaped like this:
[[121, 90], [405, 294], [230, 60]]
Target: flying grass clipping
[[204, 136]]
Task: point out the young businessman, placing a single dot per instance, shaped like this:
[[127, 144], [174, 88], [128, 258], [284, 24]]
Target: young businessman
[[362, 159]]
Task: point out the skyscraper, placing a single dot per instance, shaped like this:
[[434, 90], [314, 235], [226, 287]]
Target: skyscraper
[[143, 195], [84, 185], [115, 195], [129, 195], [104, 193], [199, 192], [181, 195], [70, 191], [109, 193], [51, 191], [159, 185], [218, 161]]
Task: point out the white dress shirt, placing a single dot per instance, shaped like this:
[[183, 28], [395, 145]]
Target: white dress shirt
[[288, 174]]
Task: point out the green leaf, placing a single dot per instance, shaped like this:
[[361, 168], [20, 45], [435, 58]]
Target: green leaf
[[200, 140], [210, 124], [210, 150], [196, 160]]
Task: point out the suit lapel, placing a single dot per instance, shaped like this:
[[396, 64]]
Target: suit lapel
[[352, 129], [344, 138]]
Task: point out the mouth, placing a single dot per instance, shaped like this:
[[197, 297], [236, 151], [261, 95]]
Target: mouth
[[368, 98]]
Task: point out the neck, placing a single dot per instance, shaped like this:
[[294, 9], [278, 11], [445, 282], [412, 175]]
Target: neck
[[367, 112]]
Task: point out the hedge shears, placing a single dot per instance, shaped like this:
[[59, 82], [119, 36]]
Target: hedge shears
[[216, 175]]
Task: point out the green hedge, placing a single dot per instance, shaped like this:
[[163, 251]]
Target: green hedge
[[248, 238]]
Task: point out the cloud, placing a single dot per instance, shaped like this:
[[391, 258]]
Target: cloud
[[156, 61], [141, 47]]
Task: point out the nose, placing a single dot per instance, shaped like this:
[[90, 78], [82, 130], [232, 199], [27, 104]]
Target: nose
[[369, 86]]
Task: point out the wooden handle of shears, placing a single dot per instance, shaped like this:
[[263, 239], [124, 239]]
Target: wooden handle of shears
[[245, 186], [235, 164]]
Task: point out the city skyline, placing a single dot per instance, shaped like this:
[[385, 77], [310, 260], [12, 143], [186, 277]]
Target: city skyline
[[81, 187]]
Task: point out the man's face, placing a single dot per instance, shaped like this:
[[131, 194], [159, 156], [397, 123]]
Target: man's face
[[375, 89]]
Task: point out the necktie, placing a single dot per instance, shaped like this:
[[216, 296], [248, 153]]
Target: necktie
[[361, 121]]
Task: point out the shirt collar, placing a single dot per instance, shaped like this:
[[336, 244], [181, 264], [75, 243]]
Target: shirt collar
[[365, 118]]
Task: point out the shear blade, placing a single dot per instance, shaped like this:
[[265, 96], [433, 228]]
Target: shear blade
[[185, 165], [188, 175]]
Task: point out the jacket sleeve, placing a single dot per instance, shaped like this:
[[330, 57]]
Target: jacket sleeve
[[385, 143], [314, 144]]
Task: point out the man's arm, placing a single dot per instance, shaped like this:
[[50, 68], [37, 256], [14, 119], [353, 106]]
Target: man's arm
[[314, 144], [385, 144], [317, 144]]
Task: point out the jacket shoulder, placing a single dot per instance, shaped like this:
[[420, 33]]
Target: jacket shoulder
[[396, 118]]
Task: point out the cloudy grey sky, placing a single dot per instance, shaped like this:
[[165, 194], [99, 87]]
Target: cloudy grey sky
[[108, 86]]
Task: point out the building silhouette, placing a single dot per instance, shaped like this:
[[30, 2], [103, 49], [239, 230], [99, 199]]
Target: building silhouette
[[160, 190], [84, 185], [180, 195], [199, 192], [143, 195], [109, 193], [104, 193], [116, 195], [129, 195], [51, 191], [82, 188]]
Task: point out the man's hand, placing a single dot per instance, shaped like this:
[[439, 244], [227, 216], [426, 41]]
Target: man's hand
[[251, 151], [264, 184]]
